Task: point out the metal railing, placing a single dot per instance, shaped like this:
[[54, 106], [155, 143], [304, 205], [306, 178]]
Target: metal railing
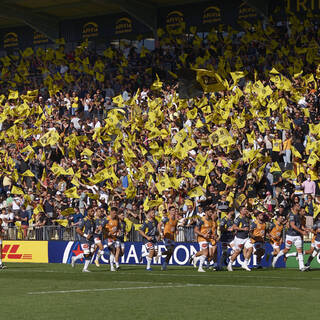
[[46, 233]]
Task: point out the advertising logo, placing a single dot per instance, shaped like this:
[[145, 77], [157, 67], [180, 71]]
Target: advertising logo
[[175, 22], [246, 12], [123, 25], [11, 40], [25, 251], [211, 15], [39, 38], [90, 29]]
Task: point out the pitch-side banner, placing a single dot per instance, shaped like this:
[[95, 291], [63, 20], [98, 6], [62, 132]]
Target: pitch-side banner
[[25, 251], [62, 251]]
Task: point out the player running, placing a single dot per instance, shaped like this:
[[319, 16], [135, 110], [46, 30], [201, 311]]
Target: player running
[[112, 228], [101, 222], [203, 230], [2, 266], [120, 239], [275, 234], [86, 230], [167, 229], [213, 252], [257, 237], [149, 232], [226, 231], [294, 236], [316, 243], [241, 226]]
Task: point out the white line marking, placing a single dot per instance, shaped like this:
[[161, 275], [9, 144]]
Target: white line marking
[[159, 287], [116, 289]]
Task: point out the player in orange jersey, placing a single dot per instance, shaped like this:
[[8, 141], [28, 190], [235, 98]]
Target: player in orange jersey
[[276, 234], [203, 230], [257, 237], [167, 230], [213, 241], [112, 228]]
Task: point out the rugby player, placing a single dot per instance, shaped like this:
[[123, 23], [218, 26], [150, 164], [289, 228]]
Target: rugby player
[[149, 232], [120, 239], [203, 230], [257, 237], [275, 234], [112, 228], [2, 266], [294, 236], [212, 256], [241, 226], [101, 222], [316, 243], [167, 229], [226, 231], [86, 230]]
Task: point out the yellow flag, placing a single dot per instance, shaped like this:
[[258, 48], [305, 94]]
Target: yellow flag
[[196, 192], [16, 190], [275, 167], [72, 193], [68, 211], [207, 181], [295, 152], [229, 181], [157, 85], [62, 222], [28, 173], [289, 174]]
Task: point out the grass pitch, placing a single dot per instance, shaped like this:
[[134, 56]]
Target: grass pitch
[[53, 291]]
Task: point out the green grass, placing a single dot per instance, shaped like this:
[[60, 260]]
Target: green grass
[[179, 293]]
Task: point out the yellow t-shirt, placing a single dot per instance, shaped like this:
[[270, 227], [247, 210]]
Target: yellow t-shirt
[[287, 144], [276, 145]]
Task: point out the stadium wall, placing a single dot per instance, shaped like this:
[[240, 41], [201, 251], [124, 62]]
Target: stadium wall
[[204, 15], [62, 251]]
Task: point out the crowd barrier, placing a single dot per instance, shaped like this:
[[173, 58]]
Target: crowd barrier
[[48, 233]]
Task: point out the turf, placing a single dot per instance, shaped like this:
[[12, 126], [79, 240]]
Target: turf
[[42, 291]]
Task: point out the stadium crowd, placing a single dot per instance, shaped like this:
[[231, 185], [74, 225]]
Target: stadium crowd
[[81, 129]]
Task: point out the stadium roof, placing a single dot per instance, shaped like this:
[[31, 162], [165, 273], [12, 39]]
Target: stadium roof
[[45, 15]]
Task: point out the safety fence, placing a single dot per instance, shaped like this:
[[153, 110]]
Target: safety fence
[[60, 233]]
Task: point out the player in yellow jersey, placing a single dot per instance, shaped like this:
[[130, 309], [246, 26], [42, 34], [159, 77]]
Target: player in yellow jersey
[[276, 234], [167, 230], [203, 230], [112, 228], [257, 237]]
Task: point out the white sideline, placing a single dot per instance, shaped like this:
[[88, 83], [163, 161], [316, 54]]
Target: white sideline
[[160, 287]]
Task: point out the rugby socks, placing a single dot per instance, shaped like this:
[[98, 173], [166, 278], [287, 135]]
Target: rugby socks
[[99, 254], [314, 253], [111, 260], [202, 260], [117, 264], [301, 263], [149, 262], [78, 257], [86, 264]]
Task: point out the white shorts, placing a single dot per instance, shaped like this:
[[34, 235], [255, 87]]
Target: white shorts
[[97, 240], [87, 248], [151, 246], [111, 243], [203, 245], [275, 245], [240, 243], [119, 244], [293, 240]]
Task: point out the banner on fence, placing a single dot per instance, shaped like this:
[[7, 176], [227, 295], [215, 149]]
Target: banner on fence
[[25, 251], [62, 251]]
